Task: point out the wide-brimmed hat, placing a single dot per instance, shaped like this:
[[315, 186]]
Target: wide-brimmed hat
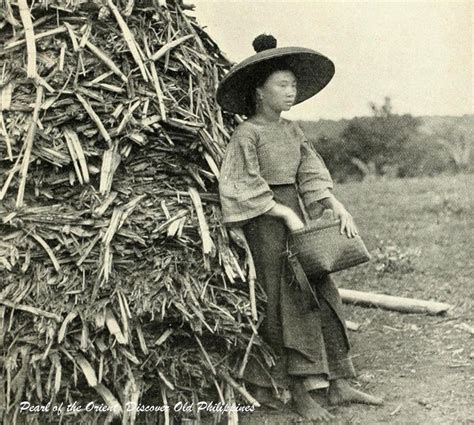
[[312, 70]]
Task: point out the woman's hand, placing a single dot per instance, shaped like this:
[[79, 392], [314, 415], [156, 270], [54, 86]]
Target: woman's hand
[[291, 219], [293, 222], [347, 222]]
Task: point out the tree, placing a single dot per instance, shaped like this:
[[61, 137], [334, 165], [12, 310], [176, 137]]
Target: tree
[[377, 144], [457, 140]]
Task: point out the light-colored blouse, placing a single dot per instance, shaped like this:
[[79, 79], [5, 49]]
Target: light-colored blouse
[[259, 155]]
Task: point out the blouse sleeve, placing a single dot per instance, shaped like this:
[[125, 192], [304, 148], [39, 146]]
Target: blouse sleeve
[[314, 180], [243, 192]]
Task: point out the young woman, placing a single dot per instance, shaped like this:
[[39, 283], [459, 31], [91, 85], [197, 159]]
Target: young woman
[[269, 173]]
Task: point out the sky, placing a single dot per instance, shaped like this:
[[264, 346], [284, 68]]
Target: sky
[[419, 53]]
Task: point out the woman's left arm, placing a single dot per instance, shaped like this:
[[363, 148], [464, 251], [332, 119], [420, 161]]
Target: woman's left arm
[[315, 185], [340, 213]]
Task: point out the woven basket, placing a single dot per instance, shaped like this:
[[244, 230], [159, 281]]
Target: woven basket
[[322, 249]]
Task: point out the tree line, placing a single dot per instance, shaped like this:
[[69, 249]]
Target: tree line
[[386, 144]]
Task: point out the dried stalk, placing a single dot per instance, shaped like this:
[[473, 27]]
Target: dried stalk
[[106, 60], [46, 247], [30, 309], [208, 246], [129, 38], [37, 37], [28, 146], [239, 388], [95, 118], [30, 38], [168, 46]]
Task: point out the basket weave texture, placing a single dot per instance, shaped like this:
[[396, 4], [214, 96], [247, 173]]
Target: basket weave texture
[[321, 248]]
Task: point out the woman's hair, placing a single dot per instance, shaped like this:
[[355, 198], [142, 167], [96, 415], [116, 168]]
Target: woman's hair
[[261, 74]]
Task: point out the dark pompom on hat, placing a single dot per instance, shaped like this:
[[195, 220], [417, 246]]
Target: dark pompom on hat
[[264, 42]]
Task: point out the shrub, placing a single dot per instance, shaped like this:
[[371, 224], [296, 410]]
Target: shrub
[[392, 259]]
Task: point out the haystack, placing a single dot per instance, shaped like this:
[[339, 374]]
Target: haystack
[[119, 284]]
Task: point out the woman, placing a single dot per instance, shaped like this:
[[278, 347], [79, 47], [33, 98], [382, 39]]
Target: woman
[[269, 169]]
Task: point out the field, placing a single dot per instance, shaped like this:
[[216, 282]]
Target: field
[[420, 232]]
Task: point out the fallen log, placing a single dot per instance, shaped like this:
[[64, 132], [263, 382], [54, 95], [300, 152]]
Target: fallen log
[[389, 302]]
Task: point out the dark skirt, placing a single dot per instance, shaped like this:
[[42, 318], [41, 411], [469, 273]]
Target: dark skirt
[[308, 338]]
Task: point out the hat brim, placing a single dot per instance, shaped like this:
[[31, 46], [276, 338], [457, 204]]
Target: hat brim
[[312, 70]]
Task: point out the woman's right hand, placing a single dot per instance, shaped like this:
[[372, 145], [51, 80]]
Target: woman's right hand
[[293, 222], [291, 219]]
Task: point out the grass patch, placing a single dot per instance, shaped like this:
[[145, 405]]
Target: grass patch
[[427, 225]]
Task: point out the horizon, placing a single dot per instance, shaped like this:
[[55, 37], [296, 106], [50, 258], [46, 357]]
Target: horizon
[[417, 53], [394, 113]]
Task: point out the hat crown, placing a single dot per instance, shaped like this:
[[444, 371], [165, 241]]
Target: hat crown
[[264, 42]]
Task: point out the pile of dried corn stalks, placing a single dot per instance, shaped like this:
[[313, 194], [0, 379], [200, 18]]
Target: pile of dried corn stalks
[[119, 283]]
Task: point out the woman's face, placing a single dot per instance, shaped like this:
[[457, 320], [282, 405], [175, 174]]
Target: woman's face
[[279, 91]]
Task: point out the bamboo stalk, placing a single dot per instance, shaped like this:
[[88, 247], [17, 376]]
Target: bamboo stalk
[[232, 415], [85, 35], [165, 403], [87, 370], [404, 305], [95, 118], [219, 391], [28, 146], [206, 356], [106, 203], [72, 152], [238, 236], [124, 317], [72, 36], [88, 250], [156, 81], [110, 162], [100, 78], [168, 46], [246, 357], [62, 330], [9, 178], [30, 309], [106, 60], [77, 148], [44, 83], [9, 14], [3, 130], [61, 56], [208, 246], [49, 251], [39, 36], [126, 118], [6, 96], [239, 388], [166, 381], [129, 38], [113, 326]]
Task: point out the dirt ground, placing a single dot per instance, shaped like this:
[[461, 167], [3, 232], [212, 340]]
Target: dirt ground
[[421, 232], [422, 366]]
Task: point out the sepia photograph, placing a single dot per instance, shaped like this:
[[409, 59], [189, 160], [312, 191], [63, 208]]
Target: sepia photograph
[[236, 212]]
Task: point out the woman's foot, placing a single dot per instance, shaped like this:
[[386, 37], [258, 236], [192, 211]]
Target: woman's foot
[[266, 397], [340, 392], [306, 406]]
